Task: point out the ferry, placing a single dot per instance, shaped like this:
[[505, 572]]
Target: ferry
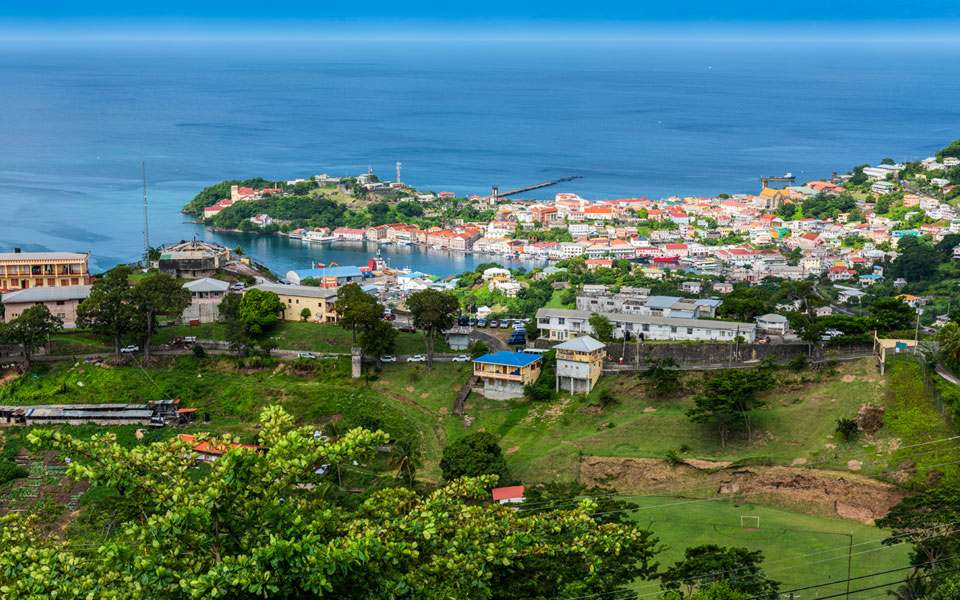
[[706, 264], [665, 259]]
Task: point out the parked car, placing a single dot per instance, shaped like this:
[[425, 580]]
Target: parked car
[[388, 358], [417, 358], [463, 321], [129, 349], [473, 321], [494, 323], [389, 317], [309, 355], [505, 324], [407, 329], [238, 286], [834, 332], [461, 358], [482, 323]]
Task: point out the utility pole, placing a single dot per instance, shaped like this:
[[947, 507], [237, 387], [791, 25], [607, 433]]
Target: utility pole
[[146, 225], [916, 332]]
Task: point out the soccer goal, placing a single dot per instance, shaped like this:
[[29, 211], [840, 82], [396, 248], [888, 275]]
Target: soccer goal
[[749, 522]]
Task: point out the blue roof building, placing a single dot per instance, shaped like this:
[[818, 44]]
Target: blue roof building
[[504, 374], [329, 277]]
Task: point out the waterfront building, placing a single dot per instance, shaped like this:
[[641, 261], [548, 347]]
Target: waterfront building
[[503, 374], [23, 270], [318, 300], [206, 294], [558, 324], [579, 364], [62, 301]]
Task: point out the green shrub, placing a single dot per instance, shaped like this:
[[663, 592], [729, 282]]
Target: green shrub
[[10, 471], [198, 351], [798, 363], [847, 428]]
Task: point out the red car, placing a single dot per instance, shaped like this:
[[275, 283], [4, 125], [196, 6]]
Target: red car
[[389, 317], [407, 329]]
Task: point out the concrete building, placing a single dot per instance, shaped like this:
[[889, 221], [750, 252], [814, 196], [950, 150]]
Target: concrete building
[[206, 294], [320, 301], [61, 301], [330, 277], [579, 364], [773, 323], [503, 374], [458, 337], [24, 270], [558, 324], [193, 260]]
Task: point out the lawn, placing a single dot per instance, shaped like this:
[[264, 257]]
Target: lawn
[[786, 538], [77, 342], [293, 335]]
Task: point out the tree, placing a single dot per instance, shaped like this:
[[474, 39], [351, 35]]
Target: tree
[[889, 314], [915, 260], [478, 349], [663, 374], [601, 326], [728, 398], [928, 520], [745, 303], [707, 565], [32, 329], [433, 312], [804, 320], [406, 459], [946, 245], [949, 339], [473, 455], [304, 314], [248, 529], [108, 310], [356, 310], [847, 428], [158, 293], [259, 309], [379, 340], [237, 334]]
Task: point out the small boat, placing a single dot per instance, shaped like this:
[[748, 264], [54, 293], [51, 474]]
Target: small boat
[[666, 259]]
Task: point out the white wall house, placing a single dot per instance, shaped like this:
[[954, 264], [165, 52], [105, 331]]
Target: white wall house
[[560, 324]]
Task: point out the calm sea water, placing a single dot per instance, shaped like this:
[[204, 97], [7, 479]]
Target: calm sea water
[[634, 119]]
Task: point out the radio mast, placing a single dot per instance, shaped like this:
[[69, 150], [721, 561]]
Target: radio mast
[[146, 224]]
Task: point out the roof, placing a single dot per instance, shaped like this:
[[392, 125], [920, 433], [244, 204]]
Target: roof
[[42, 256], [308, 291], [49, 294], [507, 493], [584, 343], [207, 284], [661, 301], [510, 359], [615, 318], [772, 318]]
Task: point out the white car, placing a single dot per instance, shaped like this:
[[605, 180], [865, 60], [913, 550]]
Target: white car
[[417, 358], [388, 358], [834, 332], [129, 349], [461, 358], [309, 355]]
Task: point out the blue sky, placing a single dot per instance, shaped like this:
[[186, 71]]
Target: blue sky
[[560, 15]]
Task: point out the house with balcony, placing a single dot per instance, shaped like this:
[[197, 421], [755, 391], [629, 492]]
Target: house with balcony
[[579, 364], [560, 325], [503, 374], [206, 294], [23, 270]]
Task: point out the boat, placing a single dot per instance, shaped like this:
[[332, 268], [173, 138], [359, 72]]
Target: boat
[[707, 263], [666, 259]]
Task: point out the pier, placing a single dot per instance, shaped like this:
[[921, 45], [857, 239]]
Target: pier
[[537, 186]]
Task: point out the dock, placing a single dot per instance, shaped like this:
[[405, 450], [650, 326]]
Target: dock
[[537, 186]]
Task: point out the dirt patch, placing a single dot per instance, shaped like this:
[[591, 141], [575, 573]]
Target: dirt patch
[[409, 388], [442, 410], [424, 396], [594, 409], [870, 417], [649, 409], [705, 464], [848, 378], [826, 493], [511, 450], [854, 465], [8, 377], [798, 461]]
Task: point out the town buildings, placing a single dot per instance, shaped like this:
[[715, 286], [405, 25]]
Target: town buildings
[[558, 324], [503, 374], [62, 301], [24, 270], [318, 300]]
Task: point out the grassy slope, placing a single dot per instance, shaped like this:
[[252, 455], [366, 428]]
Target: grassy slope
[[782, 536], [294, 335]]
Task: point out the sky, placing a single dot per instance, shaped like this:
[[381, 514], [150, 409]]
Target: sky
[[564, 17]]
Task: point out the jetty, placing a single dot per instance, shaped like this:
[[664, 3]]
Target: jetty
[[537, 186]]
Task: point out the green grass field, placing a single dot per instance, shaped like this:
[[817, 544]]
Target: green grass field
[[786, 538]]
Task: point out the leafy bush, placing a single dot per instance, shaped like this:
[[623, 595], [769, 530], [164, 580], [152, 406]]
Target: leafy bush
[[10, 471], [674, 457], [198, 351], [847, 428], [798, 363]]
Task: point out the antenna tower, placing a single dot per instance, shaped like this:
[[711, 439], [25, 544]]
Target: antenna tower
[[146, 224]]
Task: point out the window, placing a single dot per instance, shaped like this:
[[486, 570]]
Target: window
[[561, 321], [673, 330], [60, 302], [62, 315], [689, 330]]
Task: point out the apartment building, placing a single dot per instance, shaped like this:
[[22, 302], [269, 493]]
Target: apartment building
[[24, 270], [560, 325], [319, 300]]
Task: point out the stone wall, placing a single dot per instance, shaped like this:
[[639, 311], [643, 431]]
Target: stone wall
[[709, 353]]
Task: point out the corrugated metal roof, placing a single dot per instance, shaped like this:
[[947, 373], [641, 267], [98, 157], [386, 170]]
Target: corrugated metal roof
[[48, 294]]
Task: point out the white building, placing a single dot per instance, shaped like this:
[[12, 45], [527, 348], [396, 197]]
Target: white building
[[562, 324]]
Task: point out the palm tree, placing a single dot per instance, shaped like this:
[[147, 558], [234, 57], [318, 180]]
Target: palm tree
[[914, 588], [949, 339], [405, 458]]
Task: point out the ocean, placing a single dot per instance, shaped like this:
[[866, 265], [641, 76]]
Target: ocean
[[642, 118]]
